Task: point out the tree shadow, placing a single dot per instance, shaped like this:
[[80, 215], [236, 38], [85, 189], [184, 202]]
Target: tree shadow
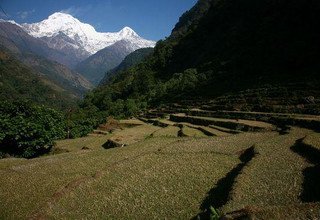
[[311, 182], [219, 195]]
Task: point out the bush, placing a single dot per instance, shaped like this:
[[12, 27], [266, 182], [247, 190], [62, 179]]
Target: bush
[[81, 122], [27, 130]]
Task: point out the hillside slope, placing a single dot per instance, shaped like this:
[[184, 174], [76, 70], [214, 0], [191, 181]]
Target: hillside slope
[[221, 47], [95, 67], [15, 38], [40, 58], [129, 61], [18, 81]]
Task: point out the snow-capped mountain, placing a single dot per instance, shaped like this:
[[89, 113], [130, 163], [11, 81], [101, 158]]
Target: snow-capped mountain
[[82, 36]]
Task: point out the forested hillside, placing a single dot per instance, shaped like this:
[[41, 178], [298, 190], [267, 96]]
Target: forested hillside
[[132, 59], [224, 46], [19, 82]]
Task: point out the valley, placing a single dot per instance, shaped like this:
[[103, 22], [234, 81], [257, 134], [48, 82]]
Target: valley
[[219, 119]]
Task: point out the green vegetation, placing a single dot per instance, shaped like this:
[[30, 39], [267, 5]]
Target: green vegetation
[[28, 131], [19, 82], [208, 56], [132, 59]]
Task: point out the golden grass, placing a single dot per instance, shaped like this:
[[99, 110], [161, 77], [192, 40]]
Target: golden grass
[[157, 186], [258, 124], [134, 134], [213, 131], [132, 121], [156, 176], [192, 132], [92, 142], [296, 211], [29, 186], [170, 131], [313, 140], [273, 177]]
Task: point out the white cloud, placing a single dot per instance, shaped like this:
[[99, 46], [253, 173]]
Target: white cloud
[[24, 14], [76, 11]]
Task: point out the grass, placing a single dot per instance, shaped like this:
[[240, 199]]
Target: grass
[[134, 169], [224, 130], [192, 132], [93, 142], [296, 211], [159, 176], [312, 140], [207, 130], [135, 134], [170, 131], [243, 125], [157, 185], [273, 177]]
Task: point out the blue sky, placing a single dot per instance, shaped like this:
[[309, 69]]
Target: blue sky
[[151, 19]]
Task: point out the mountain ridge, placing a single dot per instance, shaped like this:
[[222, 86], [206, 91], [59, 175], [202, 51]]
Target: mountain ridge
[[89, 39], [260, 46], [95, 67], [35, 54]]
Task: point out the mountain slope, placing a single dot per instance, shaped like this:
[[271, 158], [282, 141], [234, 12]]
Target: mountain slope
[[254, 42], [129, 61], [235, 46], [95, 67], [190, 18], [18, 81], [33, 52], [13, 36]]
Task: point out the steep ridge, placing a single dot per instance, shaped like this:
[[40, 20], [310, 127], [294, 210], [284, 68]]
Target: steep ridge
[[232, 47], [18, 81], [95, 67], [129, 61]]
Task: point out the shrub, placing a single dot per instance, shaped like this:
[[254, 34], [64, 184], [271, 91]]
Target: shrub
[[27, 130], [81, 122]]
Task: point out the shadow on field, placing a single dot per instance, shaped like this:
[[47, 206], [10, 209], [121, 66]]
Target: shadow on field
[[219, 195], [311, 183]]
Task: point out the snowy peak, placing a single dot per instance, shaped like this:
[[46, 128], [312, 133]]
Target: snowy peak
[[59, 22], [59, 15], [84, 34], [127, 32], [10, 21]]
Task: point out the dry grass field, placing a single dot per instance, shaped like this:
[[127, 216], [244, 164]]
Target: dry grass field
[[175, 171]]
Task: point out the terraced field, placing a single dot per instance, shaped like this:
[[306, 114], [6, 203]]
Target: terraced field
[[173, 167]]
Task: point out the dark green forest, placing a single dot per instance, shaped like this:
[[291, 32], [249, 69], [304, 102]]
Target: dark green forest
[[221, 47]]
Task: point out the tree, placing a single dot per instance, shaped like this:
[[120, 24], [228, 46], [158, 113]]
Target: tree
[[27, 130]]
